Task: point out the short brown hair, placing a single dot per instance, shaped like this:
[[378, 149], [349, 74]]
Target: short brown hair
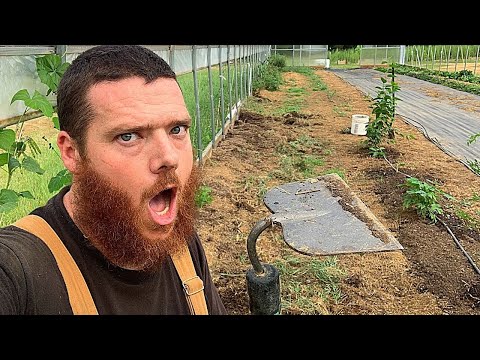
[[102, 63]]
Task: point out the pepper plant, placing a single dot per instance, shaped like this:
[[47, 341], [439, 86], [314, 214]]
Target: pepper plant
[[384, 111]]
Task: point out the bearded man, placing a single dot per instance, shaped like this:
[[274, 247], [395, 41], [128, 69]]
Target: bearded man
[[124, 137]]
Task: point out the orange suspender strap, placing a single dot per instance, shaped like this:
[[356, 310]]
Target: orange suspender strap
[[192, 284], [80, 298]]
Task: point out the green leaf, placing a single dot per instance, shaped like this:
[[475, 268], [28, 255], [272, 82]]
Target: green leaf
[[21, 95], [40, 102], [3, 159], [8, 200], [61, 70], [26, 195], [64, 177], [46, 69], [50, 70], [18, 148], [12, 164], [32, 165], [56, 123], [7, 138]]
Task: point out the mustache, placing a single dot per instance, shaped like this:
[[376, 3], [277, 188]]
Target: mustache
[[166, 181]]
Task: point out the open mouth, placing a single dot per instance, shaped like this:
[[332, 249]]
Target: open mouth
[[163, 206]]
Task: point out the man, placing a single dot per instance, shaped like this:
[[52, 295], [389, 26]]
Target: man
[[124, 137]]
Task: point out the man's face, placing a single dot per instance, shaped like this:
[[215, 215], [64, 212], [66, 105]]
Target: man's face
[[135, 176]]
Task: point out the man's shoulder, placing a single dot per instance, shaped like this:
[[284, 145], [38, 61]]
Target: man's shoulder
[[196, 247], [16, 243], [23, 242], [30, 280]]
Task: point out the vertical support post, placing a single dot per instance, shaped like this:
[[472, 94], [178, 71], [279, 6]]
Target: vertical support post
[[476, 61], [456, 61], [402, 54], [466, 57], [310, 56], [197, 104], [245, 69], [255, 60], [441, 58], [236, 77], [421, 58], [210, 88], [222, 100], [250, 73], [241, 65], [62, 51], [448, 57], [428, 54], [171, 57], [229, 84]]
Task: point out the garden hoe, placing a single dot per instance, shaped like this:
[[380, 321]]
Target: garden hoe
[[319, 216]]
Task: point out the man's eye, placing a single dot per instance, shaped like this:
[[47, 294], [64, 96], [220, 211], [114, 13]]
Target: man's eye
[[127, 137], [179, 129]]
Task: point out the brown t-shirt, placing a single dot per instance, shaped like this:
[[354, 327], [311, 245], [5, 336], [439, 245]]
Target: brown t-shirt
[[31, 283]]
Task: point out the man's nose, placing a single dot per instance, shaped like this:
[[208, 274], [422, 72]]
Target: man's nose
[[164, 155]]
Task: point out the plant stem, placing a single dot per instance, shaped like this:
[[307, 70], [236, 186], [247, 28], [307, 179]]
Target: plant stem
[[9, 178], [19, 122], [18, 133], [395, 168]]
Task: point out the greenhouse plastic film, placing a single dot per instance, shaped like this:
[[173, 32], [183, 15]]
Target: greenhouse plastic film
[[16, 73]]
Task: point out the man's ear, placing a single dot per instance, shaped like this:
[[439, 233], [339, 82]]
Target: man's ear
[[68, 151]]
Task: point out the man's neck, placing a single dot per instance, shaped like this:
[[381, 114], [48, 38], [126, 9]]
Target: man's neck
[[67, 201]]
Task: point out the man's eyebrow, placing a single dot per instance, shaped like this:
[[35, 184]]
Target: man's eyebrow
[[187, 121], [127, 128]]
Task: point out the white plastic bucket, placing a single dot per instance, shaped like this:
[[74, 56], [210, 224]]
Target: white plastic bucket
[[359, 124]]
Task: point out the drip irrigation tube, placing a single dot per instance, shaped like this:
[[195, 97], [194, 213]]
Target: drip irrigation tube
[[461, 247]]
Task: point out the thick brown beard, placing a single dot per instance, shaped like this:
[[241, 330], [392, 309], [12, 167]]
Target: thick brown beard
[[109, 220]]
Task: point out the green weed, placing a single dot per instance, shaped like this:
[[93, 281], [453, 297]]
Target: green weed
[[203, 196]]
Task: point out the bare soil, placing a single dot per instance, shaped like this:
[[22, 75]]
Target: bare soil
[[430, 276]]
